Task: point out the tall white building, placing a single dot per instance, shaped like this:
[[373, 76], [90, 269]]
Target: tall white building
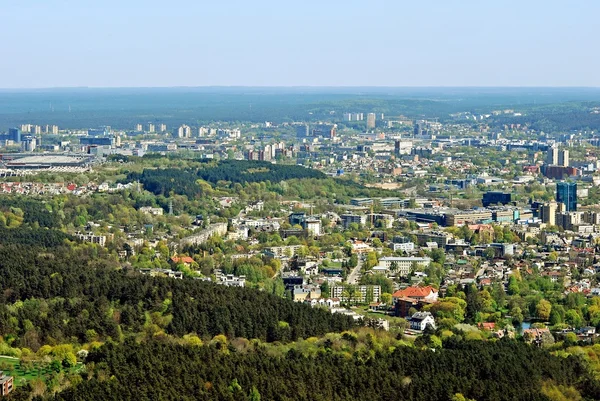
[[370, 120]]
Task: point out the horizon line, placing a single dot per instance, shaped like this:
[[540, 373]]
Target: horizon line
[[301, 87]]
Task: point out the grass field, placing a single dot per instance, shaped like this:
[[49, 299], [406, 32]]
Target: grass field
[[12, 367]]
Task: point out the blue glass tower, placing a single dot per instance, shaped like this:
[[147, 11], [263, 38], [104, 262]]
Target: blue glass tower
[[566, 192]]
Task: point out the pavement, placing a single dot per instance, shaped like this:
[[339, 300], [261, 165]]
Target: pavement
[[354, 275]]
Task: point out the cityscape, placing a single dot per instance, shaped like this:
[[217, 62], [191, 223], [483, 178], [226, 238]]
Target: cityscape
[[265, 201]]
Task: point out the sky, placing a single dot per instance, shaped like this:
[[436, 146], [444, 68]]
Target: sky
[[152, 43]]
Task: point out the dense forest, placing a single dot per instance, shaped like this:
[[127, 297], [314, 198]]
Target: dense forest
[[60, 294], [503, 370], [184, 182], [255, 171]]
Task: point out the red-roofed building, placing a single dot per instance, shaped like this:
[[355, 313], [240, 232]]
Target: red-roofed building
[[413, 298], [185, 260], [489, 326], [417, 293]]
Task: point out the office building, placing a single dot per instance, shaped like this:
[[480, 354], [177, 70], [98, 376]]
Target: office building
[[417, 128], [102, 131], [324, 130], [302, 131], [548, 213], [495, 198], [403, 147], [566, 193], [370, 120], [14, 134], [348, 219], [98, 141]]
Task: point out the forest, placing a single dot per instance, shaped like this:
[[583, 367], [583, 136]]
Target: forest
[[184, 182], [59, 295], [502, 370]]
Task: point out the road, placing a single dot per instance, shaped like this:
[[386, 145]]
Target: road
[[355, 273]]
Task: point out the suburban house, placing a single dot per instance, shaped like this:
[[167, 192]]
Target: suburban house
[[538, 336], [6, 384], [184, 260], [420, 320]]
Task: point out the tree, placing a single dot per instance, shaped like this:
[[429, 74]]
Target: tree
[[69, 360], [254, 394], [489, 253], [386, 298], [543, 309], [513, 285], [517, 315]]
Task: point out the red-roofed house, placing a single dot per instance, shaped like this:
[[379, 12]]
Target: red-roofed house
[[185, 260], [489, 326]]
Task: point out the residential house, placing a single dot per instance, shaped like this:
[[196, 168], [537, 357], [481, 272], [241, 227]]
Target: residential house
[[184, 260], [6, 384], [420, 320]]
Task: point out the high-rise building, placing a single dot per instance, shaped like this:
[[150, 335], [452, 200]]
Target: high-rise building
[[54, 129], [370, 120], [302, 131], [552, 156], [563, 158], [150, 127], [36, 129], [417, 128], [566, 193], [548, 213], [14, 134], [162, 127], [138, 127]]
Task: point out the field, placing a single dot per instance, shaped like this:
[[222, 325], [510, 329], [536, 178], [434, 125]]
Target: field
[[12, 367]]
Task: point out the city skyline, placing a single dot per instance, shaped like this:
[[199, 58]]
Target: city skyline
[[266, 43]]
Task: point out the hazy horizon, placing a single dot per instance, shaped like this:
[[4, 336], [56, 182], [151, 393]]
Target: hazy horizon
[[267, 43]]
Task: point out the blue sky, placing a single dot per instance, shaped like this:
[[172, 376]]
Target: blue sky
[[128, 43]]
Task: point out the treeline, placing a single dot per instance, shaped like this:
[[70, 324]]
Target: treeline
[[59, 295], [184, 181], [33, 237], [255, 171], [31, 211], [167, 181], [503, 370]]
